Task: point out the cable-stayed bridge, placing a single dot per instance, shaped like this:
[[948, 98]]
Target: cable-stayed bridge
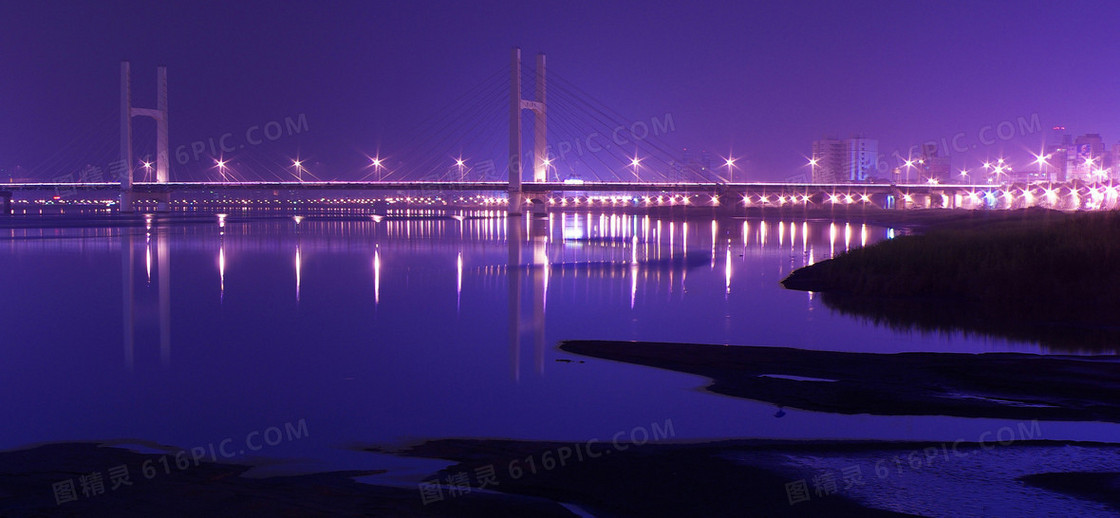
[[582, 153]]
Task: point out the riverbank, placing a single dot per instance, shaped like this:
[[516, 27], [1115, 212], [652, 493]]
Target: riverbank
[[1011, 477], [1029, 274]]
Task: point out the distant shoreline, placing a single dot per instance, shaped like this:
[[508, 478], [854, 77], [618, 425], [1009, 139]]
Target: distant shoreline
[[1027, 273]]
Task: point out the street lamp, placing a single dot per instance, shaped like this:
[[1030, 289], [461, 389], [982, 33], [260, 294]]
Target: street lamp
[[634, 162], [964, 176], [813, 169], [730, 163], [377, 166], [221, 168], [1089, 172], [459, 163], [998, 171], [299, 169], [1041, 160]]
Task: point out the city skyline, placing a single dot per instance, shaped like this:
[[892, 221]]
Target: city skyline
[[753, 82]]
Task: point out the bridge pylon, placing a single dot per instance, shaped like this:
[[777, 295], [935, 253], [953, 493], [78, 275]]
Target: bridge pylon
[[540, 133], [159, 113]]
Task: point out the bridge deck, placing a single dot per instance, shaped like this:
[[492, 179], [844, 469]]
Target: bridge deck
[[528, 187]]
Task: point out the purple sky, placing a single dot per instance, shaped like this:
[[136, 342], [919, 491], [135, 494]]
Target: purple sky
[[763, 79]]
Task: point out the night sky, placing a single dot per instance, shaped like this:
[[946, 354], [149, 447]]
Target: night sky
[[761, 79]]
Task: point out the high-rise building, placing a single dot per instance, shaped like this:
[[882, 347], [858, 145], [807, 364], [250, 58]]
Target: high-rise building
[[1059, 146], [1089, 158], [695, 165], [932, 167], [1114, 171], [825, 160], [844, 160]]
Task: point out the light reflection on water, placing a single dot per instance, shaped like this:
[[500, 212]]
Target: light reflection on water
[[396, 328]]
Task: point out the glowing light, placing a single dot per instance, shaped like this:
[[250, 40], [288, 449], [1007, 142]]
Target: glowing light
[[635, 161], [299, 268], [147, 165], [727, 270], [148, 257], [222, 271], [297, 163], [376, 277], [459, 162]]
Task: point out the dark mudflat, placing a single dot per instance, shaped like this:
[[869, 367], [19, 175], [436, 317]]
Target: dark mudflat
[[995, 385], [27, 479], [1102, 487], [650, 479]]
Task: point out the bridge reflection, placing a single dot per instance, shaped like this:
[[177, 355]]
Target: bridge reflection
[[130, 307], [597, 258]]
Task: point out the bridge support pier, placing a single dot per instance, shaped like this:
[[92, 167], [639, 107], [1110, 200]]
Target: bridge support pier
[[129, 199], [163, 201], [7, 200], [728, 209]]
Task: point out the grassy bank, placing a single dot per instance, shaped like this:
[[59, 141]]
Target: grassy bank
[[1039, 266]]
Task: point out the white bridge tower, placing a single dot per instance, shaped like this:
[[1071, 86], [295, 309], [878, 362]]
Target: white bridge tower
[[160, 115], [540, 157]]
